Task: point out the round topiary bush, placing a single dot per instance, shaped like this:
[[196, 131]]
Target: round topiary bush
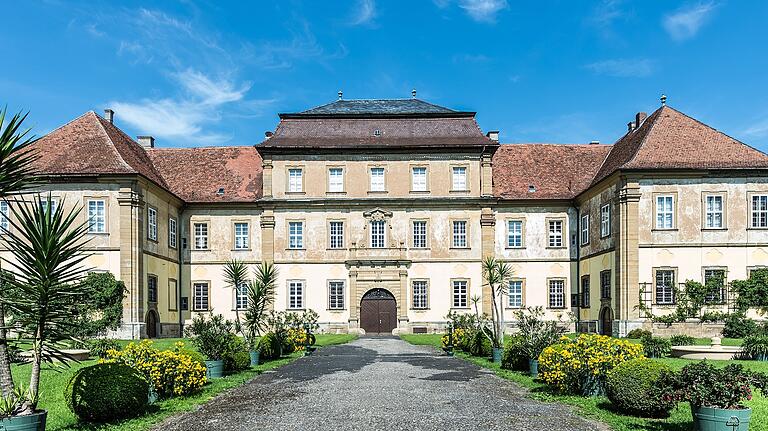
[[107, 392], [638, 333], [631, 387], [682, 340], [269, 346]]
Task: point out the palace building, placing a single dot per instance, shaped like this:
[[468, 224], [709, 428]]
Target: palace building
[[378, 214]]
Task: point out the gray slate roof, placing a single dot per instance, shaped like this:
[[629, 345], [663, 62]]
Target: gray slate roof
[[378, 107]]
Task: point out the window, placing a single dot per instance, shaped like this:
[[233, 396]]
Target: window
[[556, 293], [201, 236], [200, 292], [714, 280], [419, 234], [760, 211], [460, 234], [336, 234], [665, 281], [241, 236], [515, 293], [336, 180], [172, 232], [377, 179], [585, 291], [605, 220], [3, 216], [420, 294], [460, 294], [54, 204], [377, 233], [295, 183], [605, 284], [152, 223], [555, 233], [173, 299], [295, 234], [151, 288], [419, 179], [241, 296], [459, 178], [295, 294], [713, 218], [585, 229], [514, 233], [664, 212], [97, 218], [336, 295]]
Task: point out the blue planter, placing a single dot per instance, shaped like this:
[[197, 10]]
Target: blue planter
[[533, 368], [214, 369], [497, 355], [762, 357], [33, 422], [254, 357], [709, 419]]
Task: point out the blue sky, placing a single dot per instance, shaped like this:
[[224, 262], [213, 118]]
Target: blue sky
[[213, 73]]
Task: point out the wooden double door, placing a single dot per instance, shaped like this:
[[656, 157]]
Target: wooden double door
[[378, 312]]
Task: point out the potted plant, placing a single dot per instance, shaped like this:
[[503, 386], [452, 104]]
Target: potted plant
[[536, 334], [211, 338], [496, 274], [716, 395], [756, 347]]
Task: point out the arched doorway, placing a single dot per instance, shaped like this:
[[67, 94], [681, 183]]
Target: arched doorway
[[606, 321], [151, 322], [378, 312]]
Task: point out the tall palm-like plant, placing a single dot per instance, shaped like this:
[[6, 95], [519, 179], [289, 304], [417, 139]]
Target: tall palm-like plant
[[236, 276], [16, 175], [496, 274], [261, 295], [48, 247]]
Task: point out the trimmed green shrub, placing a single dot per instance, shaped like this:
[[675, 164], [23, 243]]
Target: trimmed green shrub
[[269, 346], [737, 325], [639, 333], [480, 345], [288, 345], [682, 340], [100, 346], [656, 347], [514, 357], [756, 347], [632, 388], [107, 392], [236, 358]]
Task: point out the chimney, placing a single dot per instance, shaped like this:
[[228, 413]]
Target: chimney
[[146, 141], [493, 135], [630, 126], [639, 118], [109, 115]]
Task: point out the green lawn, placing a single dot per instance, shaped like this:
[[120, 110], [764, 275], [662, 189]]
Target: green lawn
[[53, 382], [599, 408]]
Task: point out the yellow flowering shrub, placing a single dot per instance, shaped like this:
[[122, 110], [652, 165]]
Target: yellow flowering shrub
[[171, 372], [581, 366], [460, 340], [298, 337]]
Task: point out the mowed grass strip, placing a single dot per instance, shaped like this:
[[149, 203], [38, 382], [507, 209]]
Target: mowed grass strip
[[599, 408]]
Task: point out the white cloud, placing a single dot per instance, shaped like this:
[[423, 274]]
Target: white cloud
[[685, 22], [607, 12], [303, 46], [483, 10], [365, 12], [758, 130], [209, 92], [623, 68]]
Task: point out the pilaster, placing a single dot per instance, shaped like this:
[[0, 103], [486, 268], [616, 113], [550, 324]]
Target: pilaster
[[268, 235], [131, 216], [488, 237], [266, 165], [403, 300], [486, 175], [354, 301], [627, 251]]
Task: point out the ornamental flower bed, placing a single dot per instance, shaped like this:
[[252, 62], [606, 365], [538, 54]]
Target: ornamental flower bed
[[581, 366]]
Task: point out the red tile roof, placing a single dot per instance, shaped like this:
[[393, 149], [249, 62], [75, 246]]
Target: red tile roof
[[196, 174], [556, 171], [91, 145], [669, 139]]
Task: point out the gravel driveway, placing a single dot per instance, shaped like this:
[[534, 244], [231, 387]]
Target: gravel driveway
[[377, 384]]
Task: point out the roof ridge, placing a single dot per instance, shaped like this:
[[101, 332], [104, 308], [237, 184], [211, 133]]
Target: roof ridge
[[71, 121], [655, 114], [109, 138], [555, 143], [209, 147]]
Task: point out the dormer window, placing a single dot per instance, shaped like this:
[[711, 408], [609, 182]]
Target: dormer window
[[531, 189], [377, 133]]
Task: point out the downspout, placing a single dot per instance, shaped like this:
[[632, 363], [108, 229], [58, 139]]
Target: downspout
[[578, 268], [181, 272]]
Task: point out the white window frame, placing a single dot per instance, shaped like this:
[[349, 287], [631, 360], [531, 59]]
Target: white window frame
[[419, 234], [152, 223], [514, 233], [336, 234], [377, 180], [242, 239], [97, 216], [665, 291], [515, 293], [556, 291], [758, 211], [336, 180], [459, 293], [665, 211], [201, 235], [584, 229], [459, 229], [605, 220], [336, 291], [4, 210], [714, 217], [378, 235], [296, 235], [296, 290], [419, 181], [172, 232], [555, 233], [241, 297], [295, 180], [459, 178], [419, 294], [198, 288]]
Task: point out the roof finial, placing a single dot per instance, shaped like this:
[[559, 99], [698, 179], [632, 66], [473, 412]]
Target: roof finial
[[341, 94], [663, 100], [413, 93]]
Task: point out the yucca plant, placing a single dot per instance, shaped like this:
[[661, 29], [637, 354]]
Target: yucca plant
[[16, 176], [47, 246], [261, 295], [236, 277], [496, 274]]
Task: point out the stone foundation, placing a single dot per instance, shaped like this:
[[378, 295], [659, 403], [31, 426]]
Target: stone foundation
[[693, 329]]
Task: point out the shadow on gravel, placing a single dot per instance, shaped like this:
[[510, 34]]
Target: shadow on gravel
[[328, 360]]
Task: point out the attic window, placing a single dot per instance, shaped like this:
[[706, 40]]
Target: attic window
[[531, 188], [377, 133], [220, 192]]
